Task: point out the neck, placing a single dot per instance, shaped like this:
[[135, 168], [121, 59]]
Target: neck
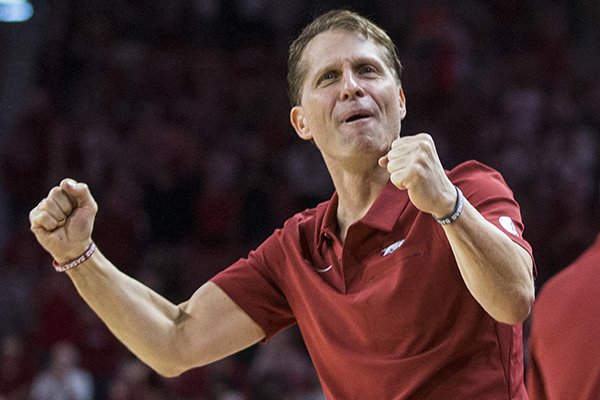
[[357, 190]]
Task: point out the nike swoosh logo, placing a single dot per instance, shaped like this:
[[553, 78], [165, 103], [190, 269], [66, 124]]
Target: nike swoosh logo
[[322, 270], [319, 270]]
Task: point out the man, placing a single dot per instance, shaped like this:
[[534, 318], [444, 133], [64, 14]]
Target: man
[[563, 348], [391, 303]]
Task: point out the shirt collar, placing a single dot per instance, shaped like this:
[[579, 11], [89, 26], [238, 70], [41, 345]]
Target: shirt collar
[[327, 214], [383, 214]]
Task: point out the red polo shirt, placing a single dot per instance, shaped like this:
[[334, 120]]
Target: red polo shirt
[[386, 314], [564, 360]]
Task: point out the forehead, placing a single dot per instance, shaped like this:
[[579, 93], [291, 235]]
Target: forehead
[[339, 46]]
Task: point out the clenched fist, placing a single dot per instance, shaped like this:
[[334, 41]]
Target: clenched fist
[[63, 221], [414, 165]]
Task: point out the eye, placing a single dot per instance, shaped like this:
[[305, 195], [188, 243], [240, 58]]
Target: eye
[[327, 76], [367, 69]]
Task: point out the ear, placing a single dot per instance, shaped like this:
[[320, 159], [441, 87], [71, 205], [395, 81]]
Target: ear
[[299, 123], [402, 103]]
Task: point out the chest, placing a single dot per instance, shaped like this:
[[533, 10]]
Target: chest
[[378, 286]]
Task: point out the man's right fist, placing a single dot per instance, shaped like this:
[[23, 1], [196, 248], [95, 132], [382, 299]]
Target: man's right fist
[[63, 221]]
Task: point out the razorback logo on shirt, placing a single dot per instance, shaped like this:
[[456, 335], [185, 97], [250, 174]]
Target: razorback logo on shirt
[[392, 247]]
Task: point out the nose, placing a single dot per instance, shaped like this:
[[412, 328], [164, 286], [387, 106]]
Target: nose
[[351, 87]]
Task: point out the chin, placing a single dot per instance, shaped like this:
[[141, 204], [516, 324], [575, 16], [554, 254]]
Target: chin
[[372, 144], [364, 153]]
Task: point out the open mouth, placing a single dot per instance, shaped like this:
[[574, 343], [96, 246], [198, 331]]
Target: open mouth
[[356, 117]]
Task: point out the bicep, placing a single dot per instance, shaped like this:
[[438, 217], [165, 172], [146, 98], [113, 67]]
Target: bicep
[[212, 326]]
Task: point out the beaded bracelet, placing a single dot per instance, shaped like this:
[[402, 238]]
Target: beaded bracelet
[[75, 262], [458, 208]]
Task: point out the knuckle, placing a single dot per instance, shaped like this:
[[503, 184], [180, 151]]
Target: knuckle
[[54, 192], [43, 205], [396, 166], [398, 142], [396, 177], [419, 171], [423, 147], [34, 221]]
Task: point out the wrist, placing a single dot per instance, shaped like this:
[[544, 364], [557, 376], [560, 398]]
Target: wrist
[[65, 263], [456, 212], [73, 252], [447, 204]]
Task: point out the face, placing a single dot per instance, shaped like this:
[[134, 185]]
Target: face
[[351, 104]]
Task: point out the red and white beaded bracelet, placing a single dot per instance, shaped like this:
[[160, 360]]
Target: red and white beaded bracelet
[[75, 262]]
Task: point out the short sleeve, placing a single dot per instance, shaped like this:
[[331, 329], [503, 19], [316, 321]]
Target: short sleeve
[[252, 283], [488, 192]]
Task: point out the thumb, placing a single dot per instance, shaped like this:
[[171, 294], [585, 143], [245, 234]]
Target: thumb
[[78, 193], [383, 161]]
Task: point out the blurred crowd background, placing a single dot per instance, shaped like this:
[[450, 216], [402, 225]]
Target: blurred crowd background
[[176, 115]]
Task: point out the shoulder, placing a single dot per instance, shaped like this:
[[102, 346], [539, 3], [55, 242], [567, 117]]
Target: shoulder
[[298, 230], [308, 218], [477, 179], [488, 192], [474, 170]]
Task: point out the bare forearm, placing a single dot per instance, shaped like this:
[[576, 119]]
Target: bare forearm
[[169, 338], [140, 318], [496, 270]]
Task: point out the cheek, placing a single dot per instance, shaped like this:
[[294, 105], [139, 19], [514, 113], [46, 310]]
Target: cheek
[[394, 111], [319, 113], [394, 121]]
